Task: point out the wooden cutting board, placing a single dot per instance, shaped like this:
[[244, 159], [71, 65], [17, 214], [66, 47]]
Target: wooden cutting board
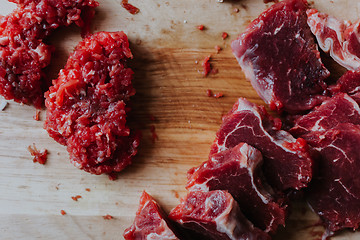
[[168, 50]]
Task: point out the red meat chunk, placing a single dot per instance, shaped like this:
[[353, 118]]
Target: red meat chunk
[[216, 215], [87, 105], [278, 54], [339, 38], [349, 83], [333, 130], [150, 222], [287, 161], [339, 109], [23, 54], [238, 170]]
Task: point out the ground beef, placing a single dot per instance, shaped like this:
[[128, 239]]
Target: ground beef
[[23, 54], [87, 105]]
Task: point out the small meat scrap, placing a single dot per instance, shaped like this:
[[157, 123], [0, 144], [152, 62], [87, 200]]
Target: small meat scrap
[[279, 56], [333, 130], [37, 115], [150, 222], [287, 161], [130, 8], [24, 55], [216, 215], [87, 105], [348, 83], [238, 171], [108, 217], [206, 66], [39, 156], [87, 189], [217, 48], [62, 212], [210, 93], [339, 38], [200, 27], [76, 198], [224, 35]]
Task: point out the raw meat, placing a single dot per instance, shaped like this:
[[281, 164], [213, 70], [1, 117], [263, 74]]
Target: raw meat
[[278, 54], [335, 193], [339, 109], [333, 130], [216, 215], [349, 83], [287, 161], [87, 105], [339, 38], [150, 222], [23, 54], [238, 170]]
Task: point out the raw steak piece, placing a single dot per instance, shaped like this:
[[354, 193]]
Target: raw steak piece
[[287, 162], [278, 54], [87, 105], [216, 215], [349, 83], [150, 222], [23, 54], [335, 193], [339, 38], [238, 170], [338, 109]]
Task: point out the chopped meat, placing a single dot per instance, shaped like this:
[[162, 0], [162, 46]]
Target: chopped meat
[[130, 8], [334, 194], [206, 66], [108, 217], [287, 161], [278, 54], [216, 215], [238, 170], [62, 212], [339, 109], [87, 105], [337, 37], [23, 53], [349, 83], [150, 222], [39, 156], [333, 130]]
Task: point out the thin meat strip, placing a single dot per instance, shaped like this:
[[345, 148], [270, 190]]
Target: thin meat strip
[[150, 222], [88, 104], [279, 56], [339, 38], [238, 170], [216, 215], [23, 54], [287, 161]]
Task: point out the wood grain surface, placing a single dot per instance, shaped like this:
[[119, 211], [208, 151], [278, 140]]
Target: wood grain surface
[[168, 50]]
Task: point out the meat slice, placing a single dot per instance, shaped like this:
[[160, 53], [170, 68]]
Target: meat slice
[[23, 54], [339, 38], [278, 54], [87, 105], [238, 170], [216, 215], [335, 193], [348, 83], [339, 109], [287, 161], [150, 222]]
